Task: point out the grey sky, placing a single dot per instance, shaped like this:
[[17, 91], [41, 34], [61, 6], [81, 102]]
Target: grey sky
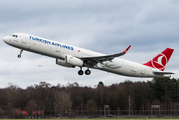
[[106, 26]]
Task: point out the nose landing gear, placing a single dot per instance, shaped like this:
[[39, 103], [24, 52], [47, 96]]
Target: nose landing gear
[[19, 56]]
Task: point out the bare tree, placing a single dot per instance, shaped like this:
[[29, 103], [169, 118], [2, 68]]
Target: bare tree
[[91, 105], [31, 105], [62, 99]]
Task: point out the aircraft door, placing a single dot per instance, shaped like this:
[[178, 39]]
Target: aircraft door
[[143, 70], [24, 39]]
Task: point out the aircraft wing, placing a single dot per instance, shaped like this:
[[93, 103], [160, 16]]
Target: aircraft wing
[[100, 59]]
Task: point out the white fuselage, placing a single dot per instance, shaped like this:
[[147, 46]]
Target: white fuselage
[[58, 50]]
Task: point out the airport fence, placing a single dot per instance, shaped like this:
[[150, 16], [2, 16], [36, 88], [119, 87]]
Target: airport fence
[[36, 114]]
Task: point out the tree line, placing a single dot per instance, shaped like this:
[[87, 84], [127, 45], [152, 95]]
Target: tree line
[[119, 96]]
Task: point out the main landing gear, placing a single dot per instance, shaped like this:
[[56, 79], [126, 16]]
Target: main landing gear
[[87, 72], [19, 56]]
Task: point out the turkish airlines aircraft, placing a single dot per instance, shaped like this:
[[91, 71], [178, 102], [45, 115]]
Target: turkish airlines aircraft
[[71, 56]]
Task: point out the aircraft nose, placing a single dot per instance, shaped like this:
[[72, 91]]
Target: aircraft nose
[[5, 39]]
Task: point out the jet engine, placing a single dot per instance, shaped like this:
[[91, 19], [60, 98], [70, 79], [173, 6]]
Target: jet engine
[[73, 61], [63, 63]]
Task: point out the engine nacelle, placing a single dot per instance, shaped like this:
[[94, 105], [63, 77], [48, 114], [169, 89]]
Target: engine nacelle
[[73, 61], [63, 63]]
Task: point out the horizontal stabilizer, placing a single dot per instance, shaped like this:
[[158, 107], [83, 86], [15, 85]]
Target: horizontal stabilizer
[[162, 73]]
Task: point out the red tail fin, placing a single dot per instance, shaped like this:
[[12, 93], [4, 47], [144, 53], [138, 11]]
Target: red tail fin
[[160, 61]]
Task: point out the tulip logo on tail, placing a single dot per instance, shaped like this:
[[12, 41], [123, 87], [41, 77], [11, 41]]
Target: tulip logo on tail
[[159, 61]]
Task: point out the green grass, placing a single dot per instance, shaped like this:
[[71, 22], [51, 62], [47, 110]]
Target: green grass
[[103, 119]]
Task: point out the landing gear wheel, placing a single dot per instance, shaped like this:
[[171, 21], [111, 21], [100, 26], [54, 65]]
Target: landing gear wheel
[[87, 72], [19, 56], [80, 72]]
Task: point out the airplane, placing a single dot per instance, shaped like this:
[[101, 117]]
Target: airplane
[[71, 56]]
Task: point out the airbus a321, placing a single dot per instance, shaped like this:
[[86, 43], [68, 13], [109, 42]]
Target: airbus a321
[[71, 56]]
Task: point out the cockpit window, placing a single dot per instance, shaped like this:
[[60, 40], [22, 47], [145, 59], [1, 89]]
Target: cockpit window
[[14, 36]]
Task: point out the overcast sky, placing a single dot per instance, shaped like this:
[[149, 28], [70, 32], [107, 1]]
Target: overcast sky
[[106, 26]]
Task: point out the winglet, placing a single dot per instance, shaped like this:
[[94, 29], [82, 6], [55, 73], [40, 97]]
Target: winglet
[[126, 49]]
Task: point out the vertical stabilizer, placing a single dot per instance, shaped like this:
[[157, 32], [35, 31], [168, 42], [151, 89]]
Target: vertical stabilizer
[[161, 60]]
